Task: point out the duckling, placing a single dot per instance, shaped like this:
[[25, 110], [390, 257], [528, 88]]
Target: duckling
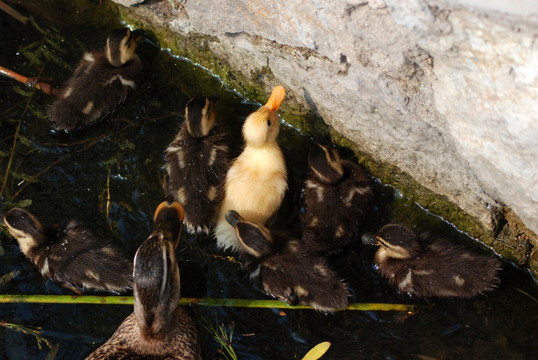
[[256, 182], [158, 328], [438, 269], [337, 196], [196, 162], [100, 82], [286, 269], [70, 254]]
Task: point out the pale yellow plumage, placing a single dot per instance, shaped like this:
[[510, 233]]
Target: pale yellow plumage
[[257, 180]]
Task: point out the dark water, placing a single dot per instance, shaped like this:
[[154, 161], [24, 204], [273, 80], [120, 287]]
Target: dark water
[[110, 177]]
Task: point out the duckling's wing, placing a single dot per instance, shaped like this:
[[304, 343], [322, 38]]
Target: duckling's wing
[[93, 91], [81, 259], [446, 269], [297, 276]]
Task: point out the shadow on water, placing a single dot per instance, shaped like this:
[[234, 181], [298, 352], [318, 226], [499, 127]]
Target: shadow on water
[[110, 177]]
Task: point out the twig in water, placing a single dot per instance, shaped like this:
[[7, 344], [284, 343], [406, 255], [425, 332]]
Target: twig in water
[[107, 206], [15, 138], [32, 83], [14, 13]]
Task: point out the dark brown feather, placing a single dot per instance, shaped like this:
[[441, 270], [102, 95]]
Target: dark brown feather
[[69, 253], [98, 82], [435, 267], [197, 167], [331, 222]]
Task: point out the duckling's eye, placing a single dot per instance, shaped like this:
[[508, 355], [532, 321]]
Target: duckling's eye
[[268, 122]]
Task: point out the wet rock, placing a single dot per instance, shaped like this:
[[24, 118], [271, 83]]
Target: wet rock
[[128, 2]]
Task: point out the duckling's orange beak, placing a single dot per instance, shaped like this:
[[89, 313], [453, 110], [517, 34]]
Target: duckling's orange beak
[[276, 98]]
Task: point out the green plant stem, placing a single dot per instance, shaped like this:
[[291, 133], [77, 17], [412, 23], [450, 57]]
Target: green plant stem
[[245, 303]]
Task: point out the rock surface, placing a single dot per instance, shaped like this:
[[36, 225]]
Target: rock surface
[[446, 91]]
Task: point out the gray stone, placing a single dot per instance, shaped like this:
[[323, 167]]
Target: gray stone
[[447, 91], [129, 2]]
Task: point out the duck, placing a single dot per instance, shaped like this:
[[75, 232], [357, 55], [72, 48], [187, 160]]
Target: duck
[[197, 161], [157, 328], [282, 267], [257, 180], [70, 254], [431, 266], [100, 82], [337, 187]]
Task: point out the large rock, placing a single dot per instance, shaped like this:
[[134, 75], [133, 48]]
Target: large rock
[[446, 91]]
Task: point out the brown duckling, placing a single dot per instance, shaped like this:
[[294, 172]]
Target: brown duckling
[[196, 162], [158, 328], [257, 180], [336, 197], [70, 254], [431, 267], [286, 269], [100, 82]]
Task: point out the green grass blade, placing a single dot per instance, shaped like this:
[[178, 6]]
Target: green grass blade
[[244, 303]]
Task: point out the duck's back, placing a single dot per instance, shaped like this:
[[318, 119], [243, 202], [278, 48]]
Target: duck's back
[[93, 90], [127, 342], [79, 258]]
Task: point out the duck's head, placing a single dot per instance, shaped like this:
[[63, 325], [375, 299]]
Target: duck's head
[[325, 164], [263, 125], [121, 46], [156, 275], [200, 116], [255, 239], [398, 240], [168, 220], [25, 228]]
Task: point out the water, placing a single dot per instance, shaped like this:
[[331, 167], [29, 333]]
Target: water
[[110, 177]]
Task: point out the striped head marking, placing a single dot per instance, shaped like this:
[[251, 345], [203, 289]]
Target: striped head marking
[[200, 116], [399, 241], [121, 46], [325, 164], [25, 228]]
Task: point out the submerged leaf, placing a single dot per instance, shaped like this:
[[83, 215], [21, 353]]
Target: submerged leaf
[[317, 351]]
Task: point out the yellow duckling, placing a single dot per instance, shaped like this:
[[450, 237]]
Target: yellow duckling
[[158, 328], [435, 268], [70, 254], [100, 82], [286, 269], [256, 182], [196, 162], [337, 196]]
